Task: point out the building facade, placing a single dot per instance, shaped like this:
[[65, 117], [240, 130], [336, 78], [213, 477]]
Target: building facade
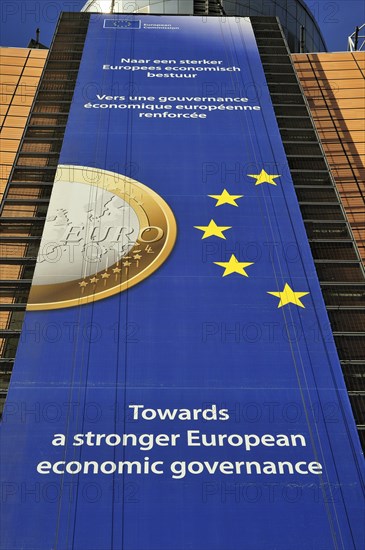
[[343, 154], [333, 84], [21, 69], [47, 144], [298, 22]]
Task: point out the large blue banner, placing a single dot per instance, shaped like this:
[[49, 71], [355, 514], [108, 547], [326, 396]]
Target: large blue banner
[[176, 386]]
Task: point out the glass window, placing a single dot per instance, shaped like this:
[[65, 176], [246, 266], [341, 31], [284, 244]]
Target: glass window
[[333, 251], [344, 296], [291, 6], [301, 15], [321, 212], [346, 273], [281, 12], [291, 23], [255, 5], [347, 321], [320, 230]]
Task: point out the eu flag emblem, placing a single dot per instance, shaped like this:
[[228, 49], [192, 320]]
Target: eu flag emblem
[[122, 24]]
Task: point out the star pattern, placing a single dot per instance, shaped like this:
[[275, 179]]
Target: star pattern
[[226, 198], [264, 177], [234, 266], [213, 230], [288, 296]]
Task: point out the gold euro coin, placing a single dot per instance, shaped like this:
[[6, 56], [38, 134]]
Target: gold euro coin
[[104, 233]]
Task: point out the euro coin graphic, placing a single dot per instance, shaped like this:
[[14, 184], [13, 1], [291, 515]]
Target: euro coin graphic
[[104, 233]]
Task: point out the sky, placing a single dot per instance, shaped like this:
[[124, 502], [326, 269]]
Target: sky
[[20, 19]]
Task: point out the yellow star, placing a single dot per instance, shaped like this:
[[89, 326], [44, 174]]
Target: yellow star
[[226, 198], [117, 270], [234, 266], [83, 284], [264, 177], [94, 280], [288, 296], [105, 275], [213, 230]]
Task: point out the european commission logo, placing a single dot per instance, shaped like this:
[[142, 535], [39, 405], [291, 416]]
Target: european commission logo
[[122, 24]]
